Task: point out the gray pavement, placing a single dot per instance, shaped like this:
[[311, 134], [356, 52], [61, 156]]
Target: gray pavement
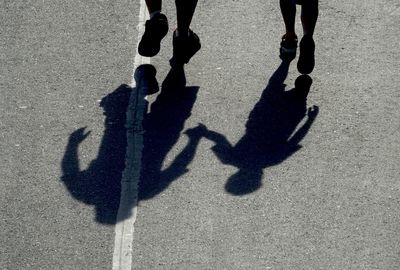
[[58, 60], [209, 199]]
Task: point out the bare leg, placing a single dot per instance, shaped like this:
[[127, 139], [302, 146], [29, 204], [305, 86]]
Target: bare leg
[[153, 5], [184, 12], [288, 9], [185, 42], [309, 16]]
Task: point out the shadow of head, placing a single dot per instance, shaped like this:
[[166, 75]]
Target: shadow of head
[[244, 182], [115, 104]]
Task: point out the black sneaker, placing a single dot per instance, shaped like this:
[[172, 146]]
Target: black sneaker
[[155, 31], [288, 48], [184, 47], [306, 62]]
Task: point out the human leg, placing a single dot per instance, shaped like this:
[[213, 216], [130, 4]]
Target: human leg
[[309, 16], [153, 5], [184, 13], [289, 39], [288, 10]]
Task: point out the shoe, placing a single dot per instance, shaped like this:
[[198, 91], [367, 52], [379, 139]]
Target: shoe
[[155, 30], [184, 47], [288, 48], [306, 62]]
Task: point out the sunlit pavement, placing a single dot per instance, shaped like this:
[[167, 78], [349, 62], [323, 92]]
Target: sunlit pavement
[[240, 169]]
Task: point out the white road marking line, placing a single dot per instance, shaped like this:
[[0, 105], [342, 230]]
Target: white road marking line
[[124, 229]]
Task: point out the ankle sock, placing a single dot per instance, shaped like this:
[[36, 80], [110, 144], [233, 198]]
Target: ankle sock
[[154, 13], [178, 33]]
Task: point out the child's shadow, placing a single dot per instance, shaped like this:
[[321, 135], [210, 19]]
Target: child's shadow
[[271, 135], [100, 183]]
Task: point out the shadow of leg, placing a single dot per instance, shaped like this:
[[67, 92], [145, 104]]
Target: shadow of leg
[[175, 81]]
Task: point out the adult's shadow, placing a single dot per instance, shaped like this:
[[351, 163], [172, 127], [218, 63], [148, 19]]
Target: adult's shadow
[[163, 126], [100, 183], [271, 135]]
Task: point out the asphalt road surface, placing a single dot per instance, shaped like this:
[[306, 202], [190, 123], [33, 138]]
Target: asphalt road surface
[[237, 171]]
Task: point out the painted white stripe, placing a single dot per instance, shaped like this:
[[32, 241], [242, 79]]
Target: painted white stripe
[[124, 229]]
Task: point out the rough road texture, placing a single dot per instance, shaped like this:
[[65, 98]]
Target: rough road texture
[[210, 198]]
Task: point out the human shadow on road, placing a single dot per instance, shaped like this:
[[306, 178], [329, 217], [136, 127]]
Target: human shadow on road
[[271, 135], [100, 183], [163, 126]]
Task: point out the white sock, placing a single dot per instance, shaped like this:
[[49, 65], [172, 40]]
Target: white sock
[[154, 13]]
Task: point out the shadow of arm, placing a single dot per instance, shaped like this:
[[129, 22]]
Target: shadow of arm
[[222, 147], [184, 158], [302, 132], [70, 162]]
